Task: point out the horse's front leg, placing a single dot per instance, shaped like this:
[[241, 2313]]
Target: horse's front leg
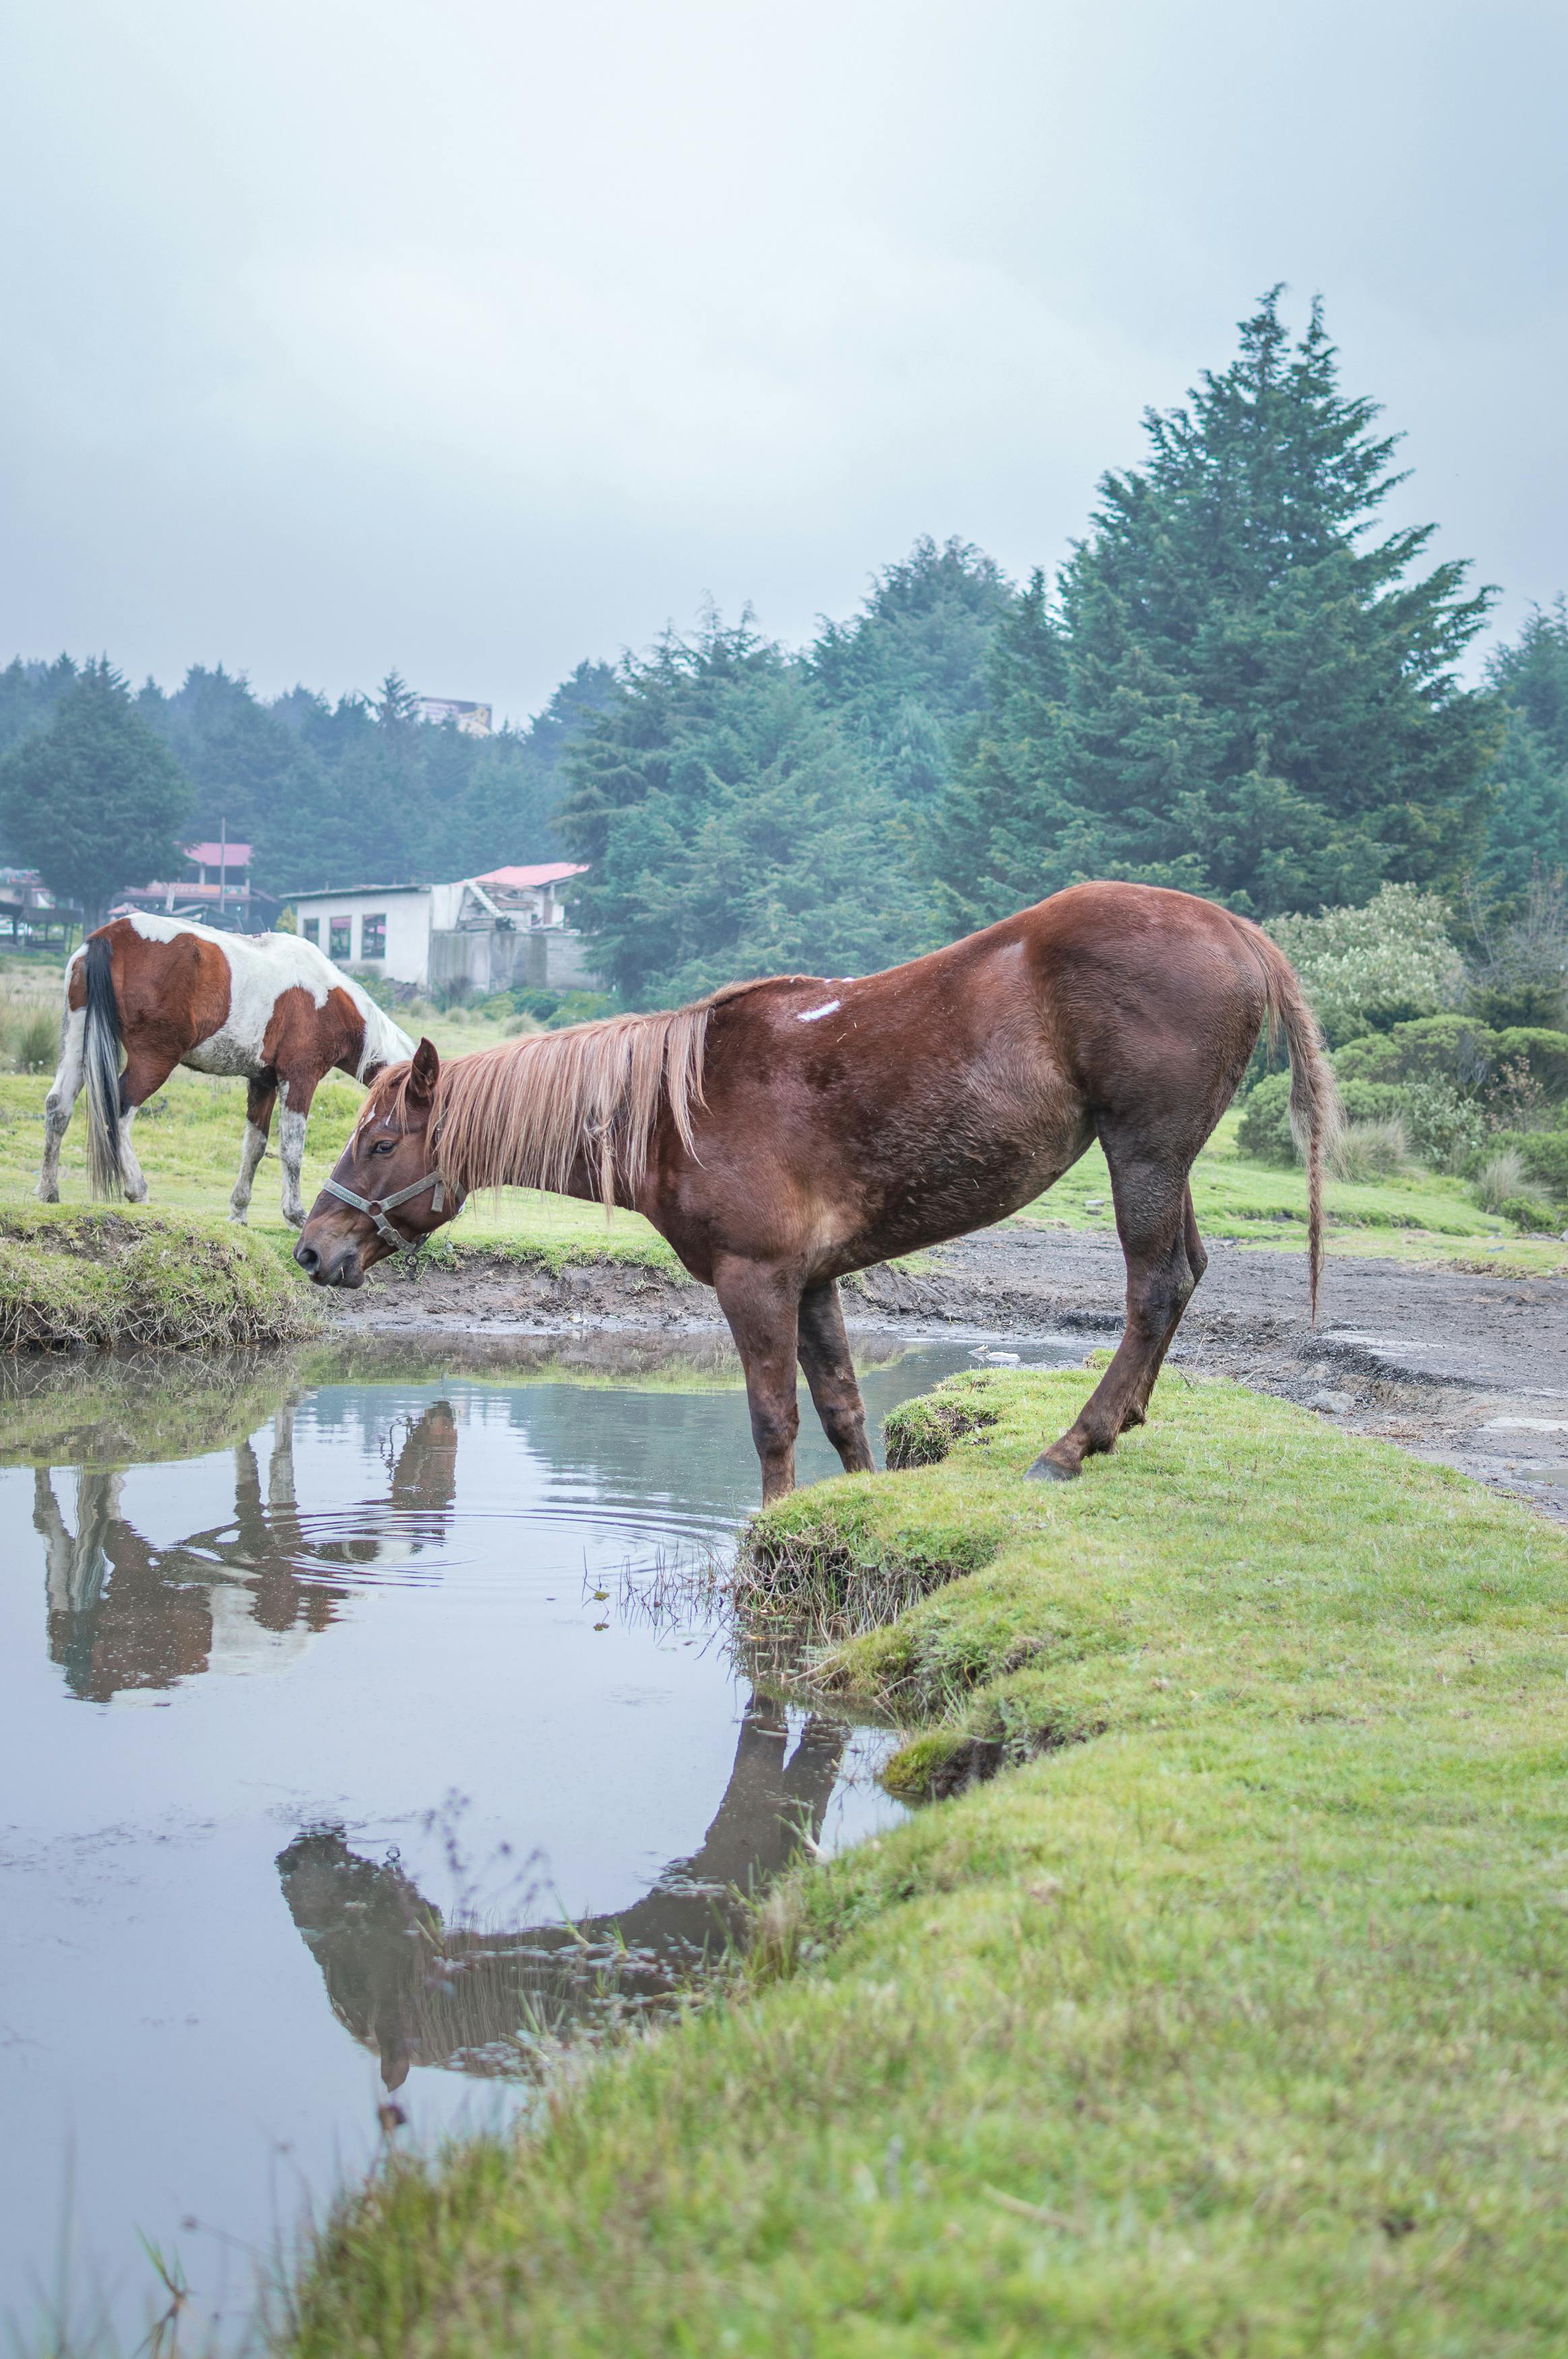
[[762, 1303], [297, 1091]]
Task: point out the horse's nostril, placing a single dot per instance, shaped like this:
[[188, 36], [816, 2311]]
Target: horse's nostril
[[307, 1257]]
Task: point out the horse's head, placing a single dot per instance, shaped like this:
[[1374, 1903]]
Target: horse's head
[[385, 1195]]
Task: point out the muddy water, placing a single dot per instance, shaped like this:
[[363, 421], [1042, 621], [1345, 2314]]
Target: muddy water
[[355, 1742]]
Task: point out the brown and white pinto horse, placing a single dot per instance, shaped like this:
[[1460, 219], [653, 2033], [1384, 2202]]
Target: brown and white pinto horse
[[268, 1008], [782, 1134]]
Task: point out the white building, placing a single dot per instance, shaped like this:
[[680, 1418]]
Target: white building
[[493, 932]]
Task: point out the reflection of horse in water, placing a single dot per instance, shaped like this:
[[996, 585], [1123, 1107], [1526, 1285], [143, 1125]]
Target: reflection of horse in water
[[420, 1993], [122, 1614]]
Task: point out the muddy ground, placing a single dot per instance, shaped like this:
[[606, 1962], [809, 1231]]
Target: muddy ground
[[1470, 1369]]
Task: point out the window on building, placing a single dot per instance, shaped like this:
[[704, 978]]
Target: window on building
[[372, 935], [311, 929], [340, 938]]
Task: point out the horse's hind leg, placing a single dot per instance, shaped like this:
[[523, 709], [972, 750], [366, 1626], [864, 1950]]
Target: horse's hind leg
[[762, 1303], [260, 1099], [57, 1107], [831, 1373], [1197, 1262], [1153, 1217]]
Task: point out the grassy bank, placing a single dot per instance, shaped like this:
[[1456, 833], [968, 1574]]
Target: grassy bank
[[1414, 1215], [103, 1278], [1231, 2021], [188, 1142]]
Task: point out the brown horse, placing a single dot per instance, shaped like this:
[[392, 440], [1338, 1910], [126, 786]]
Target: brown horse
[[782, 1134]]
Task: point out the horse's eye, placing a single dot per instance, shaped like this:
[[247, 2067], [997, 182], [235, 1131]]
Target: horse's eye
[[383, 1146]]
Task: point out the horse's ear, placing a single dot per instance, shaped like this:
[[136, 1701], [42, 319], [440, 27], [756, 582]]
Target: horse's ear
[[423, 1071], [373, 1073]]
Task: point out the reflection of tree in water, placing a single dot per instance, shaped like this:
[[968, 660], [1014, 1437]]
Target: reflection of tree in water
[[122, 1614], [419, 1991]]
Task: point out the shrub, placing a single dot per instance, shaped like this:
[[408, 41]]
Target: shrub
[[1265, 1130], [1521, 974], [1499, 1177], [34, 1042], [1368, 969], [1521, 1070], [1544, 1155], [1526, 1214], [1446, 1127], [1372, 1150]]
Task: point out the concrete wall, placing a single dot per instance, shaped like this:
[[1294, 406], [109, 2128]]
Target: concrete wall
[[536, 958]]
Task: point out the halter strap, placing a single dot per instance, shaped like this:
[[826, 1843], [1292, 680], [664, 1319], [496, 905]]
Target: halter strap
[[378, 1207]]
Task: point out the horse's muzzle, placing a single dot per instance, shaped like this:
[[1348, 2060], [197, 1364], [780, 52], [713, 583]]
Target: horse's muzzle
[[341, 1266]]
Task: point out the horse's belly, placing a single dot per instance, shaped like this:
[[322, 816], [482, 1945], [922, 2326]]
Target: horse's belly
[[226, 1052]]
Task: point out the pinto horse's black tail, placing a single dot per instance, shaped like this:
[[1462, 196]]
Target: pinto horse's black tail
[[101, 1071]]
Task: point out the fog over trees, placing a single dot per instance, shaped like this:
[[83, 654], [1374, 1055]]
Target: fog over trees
[[1236, 684]]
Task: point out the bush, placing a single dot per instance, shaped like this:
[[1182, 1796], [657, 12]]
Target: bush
[[1368, 969], [34, 1042], [1372, 1150], [1265, 1132], [1445, 1128], [1500, 1177], [1544, 1155], [1526, 1214], [1495, 1069]]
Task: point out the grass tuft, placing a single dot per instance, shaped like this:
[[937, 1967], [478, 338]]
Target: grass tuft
[[72, 1279]]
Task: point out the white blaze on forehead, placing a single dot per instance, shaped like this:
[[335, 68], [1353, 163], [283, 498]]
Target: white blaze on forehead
[[815, 1014]]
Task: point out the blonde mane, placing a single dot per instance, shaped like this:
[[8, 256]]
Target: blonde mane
[[525, 1114]]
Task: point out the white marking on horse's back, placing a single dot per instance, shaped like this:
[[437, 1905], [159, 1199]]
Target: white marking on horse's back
[[261, 967], [815, 1014]]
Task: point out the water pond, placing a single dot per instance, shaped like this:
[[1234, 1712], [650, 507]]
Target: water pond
[[356, 1740]]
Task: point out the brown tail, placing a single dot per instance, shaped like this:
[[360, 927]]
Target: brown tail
[[1316, 1116]]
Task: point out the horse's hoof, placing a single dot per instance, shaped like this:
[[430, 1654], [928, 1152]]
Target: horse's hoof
[[1046, 1470]]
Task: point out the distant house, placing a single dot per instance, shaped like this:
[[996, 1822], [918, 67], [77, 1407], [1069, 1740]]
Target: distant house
[[498, 933], [473, 720], [215, 890], [29, 912]]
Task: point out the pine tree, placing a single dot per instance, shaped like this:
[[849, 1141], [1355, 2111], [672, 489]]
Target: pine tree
[[96, 801], [1527, 828], [1240, 690], [908, 674], [731, 827]]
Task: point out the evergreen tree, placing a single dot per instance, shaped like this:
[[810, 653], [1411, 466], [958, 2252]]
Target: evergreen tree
[[730, 826], [96, 801], [1527, 827], [28, 695], [1242, 691], [908, 675]]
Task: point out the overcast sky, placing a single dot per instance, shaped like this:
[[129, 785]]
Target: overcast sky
[[473, 338]]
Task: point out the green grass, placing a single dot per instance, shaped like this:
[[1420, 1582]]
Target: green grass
[[104, 1277], [1418, 1217], [1232, 2022], [188, 1142]]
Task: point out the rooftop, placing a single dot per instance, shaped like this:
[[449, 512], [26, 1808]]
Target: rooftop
[[524, 880]]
